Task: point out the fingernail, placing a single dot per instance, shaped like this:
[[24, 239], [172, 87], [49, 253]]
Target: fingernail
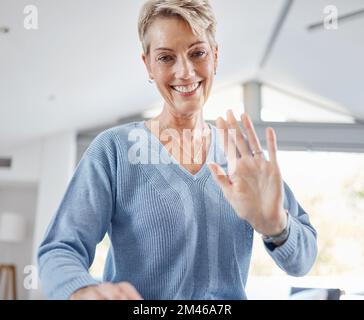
[[219, 119]]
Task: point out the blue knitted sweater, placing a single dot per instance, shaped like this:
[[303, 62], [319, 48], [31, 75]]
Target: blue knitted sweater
[[173, 234]]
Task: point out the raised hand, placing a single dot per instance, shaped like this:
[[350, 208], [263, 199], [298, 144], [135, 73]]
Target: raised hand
[[254, 185]]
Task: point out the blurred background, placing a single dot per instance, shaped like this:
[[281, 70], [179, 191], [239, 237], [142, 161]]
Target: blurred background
[[71, 68]]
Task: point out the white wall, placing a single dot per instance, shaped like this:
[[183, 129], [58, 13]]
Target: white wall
[[25, 167], [34, 187], [18, 194], [20, 199], [57, 166]]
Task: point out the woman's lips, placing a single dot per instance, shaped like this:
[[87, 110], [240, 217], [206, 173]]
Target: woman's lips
[[186, 91]]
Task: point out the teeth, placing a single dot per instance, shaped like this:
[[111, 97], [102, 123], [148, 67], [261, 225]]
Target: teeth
[[186, 89]]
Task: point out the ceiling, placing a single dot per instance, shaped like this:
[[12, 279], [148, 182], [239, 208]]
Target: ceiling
[[324, 64], [81, 68]]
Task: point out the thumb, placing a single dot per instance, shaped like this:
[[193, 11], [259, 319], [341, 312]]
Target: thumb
[[219, 175]]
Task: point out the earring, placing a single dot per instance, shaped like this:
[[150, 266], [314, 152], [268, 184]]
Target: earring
[[151, 81]]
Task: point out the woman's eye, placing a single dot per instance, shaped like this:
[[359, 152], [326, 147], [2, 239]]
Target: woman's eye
[[198, 54], [165, 58]]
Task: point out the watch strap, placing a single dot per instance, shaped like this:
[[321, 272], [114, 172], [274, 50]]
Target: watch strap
[[281, 236]]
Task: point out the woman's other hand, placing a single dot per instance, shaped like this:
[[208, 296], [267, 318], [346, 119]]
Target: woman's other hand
[[107, 291], [254, 186]]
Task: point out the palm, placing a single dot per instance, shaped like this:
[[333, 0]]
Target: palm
[[254, 184]]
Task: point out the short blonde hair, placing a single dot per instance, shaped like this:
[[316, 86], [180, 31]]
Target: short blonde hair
[[198, 14]]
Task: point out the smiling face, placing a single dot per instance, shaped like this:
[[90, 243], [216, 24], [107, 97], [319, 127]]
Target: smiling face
[[181, 63]]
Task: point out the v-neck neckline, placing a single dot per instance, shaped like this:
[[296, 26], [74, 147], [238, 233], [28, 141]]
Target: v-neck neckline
[[176, 165]]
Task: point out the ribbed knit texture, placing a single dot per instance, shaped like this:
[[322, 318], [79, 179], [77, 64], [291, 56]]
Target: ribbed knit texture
[[173, 234]]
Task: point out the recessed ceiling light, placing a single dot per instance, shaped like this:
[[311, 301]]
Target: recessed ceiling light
[[4, 29]]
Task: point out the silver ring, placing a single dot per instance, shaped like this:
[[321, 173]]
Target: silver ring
[[254, 153]]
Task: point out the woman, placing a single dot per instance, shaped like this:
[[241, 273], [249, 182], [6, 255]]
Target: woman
[[180, 227]]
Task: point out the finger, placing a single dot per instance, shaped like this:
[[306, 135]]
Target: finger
[[220, 124], [228, 143], [252, 136], [122, 295], [241, 143], [130, 291], [219, 175], [91, 294], [115, 294], [94, 295], [112, 292], [272, 145]]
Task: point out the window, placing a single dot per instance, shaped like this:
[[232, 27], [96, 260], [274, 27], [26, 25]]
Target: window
[[278, 106], [330, 187]]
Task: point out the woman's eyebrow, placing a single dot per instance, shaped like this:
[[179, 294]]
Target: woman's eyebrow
[[168, 49], [196, 43]]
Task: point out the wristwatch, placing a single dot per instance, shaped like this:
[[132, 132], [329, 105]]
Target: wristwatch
[[283, 236]]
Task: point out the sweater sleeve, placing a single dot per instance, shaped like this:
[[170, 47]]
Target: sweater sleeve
[[297, 254], [79, 224]]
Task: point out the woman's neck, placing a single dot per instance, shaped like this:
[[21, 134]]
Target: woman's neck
[[169, 119], [190, 134]]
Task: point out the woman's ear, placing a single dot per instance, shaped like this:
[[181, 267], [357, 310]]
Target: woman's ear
[[147, 65], [216, 56]]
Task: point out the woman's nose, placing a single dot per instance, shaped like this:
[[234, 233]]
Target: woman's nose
[[184, 69]]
